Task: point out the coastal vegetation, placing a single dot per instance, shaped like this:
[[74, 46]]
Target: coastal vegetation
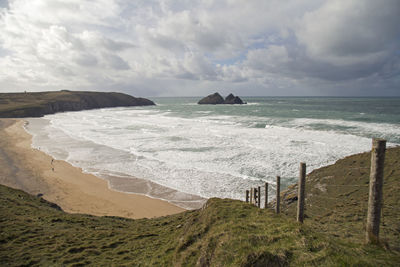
[[224, 232], [337, 199], [19, 105]]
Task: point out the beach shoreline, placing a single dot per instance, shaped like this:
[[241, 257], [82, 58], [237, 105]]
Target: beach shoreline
[[29, 169]]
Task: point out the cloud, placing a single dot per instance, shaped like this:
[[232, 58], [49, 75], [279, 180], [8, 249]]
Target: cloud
[[43, 50], [261, 47], [351, 32], [267, 58], [116, 62], [76, 12], [336, 42]]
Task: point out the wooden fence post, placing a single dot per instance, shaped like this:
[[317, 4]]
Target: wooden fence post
[[300, 201], [259, 197], [266, 196], [255, 196], [375, 190], [278, 194], [247, 196], [251, 195]]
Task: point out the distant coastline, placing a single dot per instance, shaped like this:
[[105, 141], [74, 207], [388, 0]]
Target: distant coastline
[[38, 104]]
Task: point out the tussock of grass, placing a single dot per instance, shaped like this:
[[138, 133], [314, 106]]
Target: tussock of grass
[[224, 233]]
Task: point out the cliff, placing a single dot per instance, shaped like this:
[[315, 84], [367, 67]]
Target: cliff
[[18, 105]]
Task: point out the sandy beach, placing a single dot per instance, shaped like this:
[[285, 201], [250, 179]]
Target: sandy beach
[[35, 172]]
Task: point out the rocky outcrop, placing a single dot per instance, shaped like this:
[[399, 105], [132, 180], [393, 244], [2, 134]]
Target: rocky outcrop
[[18, 105], [231, 99], [213, 99], [216, 99]]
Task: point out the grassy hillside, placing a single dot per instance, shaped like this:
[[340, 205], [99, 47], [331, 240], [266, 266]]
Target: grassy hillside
[[224, 233], [18, 105], [337, 199]]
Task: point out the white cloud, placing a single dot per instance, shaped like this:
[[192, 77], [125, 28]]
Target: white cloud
[[268, 46], [47, 12], [45, 51]]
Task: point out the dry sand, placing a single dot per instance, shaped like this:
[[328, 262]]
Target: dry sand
[[35, 172]]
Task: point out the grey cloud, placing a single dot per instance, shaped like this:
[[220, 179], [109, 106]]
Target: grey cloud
[[4, 4], [86, 60], [211, 41], [341, 45], [187, 76], [116, 62], [167, 42], [296, 64], [342, 32], [64, 71], [117, 45]]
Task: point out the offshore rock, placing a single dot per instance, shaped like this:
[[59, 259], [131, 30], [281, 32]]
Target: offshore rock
[[213, 99], [231, 99], [216, 99]]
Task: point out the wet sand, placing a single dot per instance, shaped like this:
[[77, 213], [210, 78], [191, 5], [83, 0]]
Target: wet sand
[[35, 172]]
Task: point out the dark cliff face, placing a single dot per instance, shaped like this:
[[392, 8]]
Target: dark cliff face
[[216, 98], [18, 105]]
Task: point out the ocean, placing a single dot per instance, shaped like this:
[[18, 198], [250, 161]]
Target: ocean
[[185, 153]]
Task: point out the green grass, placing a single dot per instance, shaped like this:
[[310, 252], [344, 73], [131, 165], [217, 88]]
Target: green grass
[[21, 101], [337, 199], [224, 233]]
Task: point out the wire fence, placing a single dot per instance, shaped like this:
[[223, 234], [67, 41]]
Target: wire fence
[[318, 205]]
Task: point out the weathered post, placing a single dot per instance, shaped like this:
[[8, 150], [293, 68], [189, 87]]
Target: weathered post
[[278, 194], [375, 190], [259, 197], [247, 196], [251, 195], [266, 196], [300, 201], [255, 196]]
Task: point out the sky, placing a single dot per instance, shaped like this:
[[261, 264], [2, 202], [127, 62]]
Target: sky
[[198, 47]]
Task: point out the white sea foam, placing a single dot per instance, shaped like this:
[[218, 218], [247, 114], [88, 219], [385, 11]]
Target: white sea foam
[[382, 130], [207, 156]]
